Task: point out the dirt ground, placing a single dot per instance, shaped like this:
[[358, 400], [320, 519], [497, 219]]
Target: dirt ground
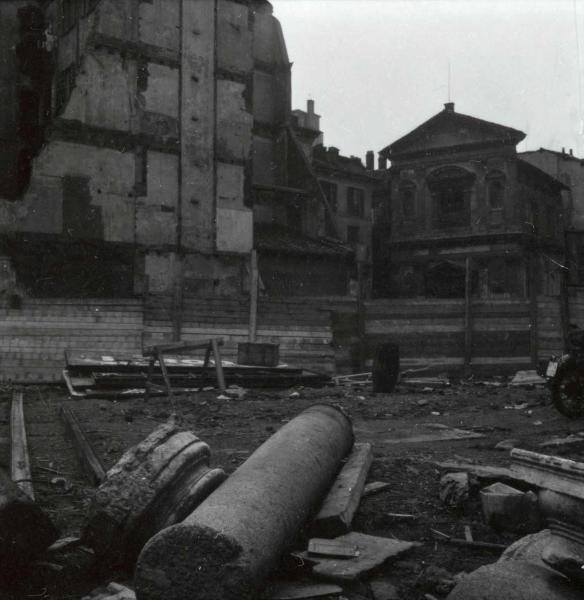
[[234, 428]]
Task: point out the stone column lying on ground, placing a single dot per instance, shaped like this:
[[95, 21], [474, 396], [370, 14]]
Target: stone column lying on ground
[[154, 485], [25, 530], [225, 549]]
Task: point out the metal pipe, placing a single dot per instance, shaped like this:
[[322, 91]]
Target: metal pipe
[[227, 546]]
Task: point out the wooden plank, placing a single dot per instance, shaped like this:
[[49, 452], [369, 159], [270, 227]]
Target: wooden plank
[[341, 503], [324, 547], [89, 461], [20, 471]]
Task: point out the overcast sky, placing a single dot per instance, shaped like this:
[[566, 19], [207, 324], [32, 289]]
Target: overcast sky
[[378, 68]]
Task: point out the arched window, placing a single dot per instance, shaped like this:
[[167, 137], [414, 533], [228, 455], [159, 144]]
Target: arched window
[[496, 190], [451, 189], [407, 196]]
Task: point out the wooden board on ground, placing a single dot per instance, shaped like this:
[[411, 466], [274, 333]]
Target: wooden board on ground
[[19, 459], [375, 487], [324, 547], [341, 503], [300, 590], [373, 552]]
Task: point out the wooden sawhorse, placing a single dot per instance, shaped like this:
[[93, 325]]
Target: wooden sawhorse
[[156, 353]]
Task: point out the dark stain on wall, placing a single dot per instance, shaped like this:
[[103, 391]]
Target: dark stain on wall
[[80, 218]]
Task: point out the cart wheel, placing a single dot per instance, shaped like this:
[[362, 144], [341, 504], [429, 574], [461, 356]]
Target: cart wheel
[[568, 388]]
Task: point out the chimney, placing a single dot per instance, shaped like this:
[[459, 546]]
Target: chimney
[[563, 150], [334, 152], [449, 107], [382, 163], [310, 107], [571, 152], [370, 160]]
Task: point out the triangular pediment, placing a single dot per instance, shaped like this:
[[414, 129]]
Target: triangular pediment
[[451, 129]]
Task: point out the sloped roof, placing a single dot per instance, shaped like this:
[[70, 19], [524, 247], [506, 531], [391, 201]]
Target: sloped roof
[[536, 175], [281, 240], [448, 119]]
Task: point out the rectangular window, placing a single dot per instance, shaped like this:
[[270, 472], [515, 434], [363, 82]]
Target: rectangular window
[[65, 82], [355, 202], [353, 234], [330, 191], [452, 207]]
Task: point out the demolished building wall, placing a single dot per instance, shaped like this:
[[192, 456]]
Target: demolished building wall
[[156, 139]]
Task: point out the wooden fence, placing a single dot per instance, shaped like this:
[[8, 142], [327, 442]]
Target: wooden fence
[[321, 334], [34, 337]]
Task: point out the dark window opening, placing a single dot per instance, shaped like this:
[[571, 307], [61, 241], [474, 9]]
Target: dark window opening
[[330, 191], [353, 234], [64, 86], [451, 189], [496, 194], [355, 202], [445, 280], [79, 270], [407, 196], [29, 116]]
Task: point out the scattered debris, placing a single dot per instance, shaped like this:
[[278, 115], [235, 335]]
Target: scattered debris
[[112, 591], [506, 445], [375, 487], [298, 590], [443, 434], [154, 485], [382, 589], [527, 378], [484, 474], [336, 513], [400, 516], [444, 537], [354, 379], [435, 579], [373, 551], [570, 443], [294, 395], [454, 489]]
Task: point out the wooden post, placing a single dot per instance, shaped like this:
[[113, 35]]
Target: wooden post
[[177, 299], [253, 297], [218, 364], [533, 310], [19, 457], [468, 313]]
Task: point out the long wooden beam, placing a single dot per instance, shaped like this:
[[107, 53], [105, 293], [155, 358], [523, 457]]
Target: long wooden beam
[[19, 458], [89, 461]]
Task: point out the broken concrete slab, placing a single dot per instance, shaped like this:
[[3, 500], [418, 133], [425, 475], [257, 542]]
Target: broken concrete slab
[[298, 590], [336, 513], [529, 548], [454, 489], [373, 551], [506, 508], [514, 580], [484, 474], [527, 378]]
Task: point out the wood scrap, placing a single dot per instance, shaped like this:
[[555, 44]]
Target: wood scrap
[[375, 487], [324, 547], [299, 590], [336, 513], [444, 537]]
